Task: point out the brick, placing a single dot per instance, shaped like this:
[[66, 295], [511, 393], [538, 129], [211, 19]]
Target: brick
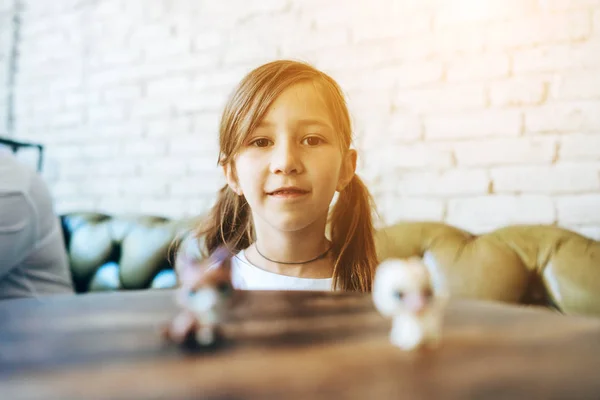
[[539, 29], [518, 91], [397, 209], [38, 65], [195, 63], [108, 77], [480, 124], [328, 14], [464, 38], [478, 66], [370, 129], [405, 127], [202, 41], [500, 210], [55, 138], [51, 37], [64, 205], [101, 151], [449, 182], [149, 33], [125, 92], [562, 5], [415, 48], [65, 119], [167, 86], [68, 82], [151, 108], [579, 84], [508, 151], [147, 147], [204, 165], [312, 40], [458, 12], [411, 74], [166, 166], [197, 185], [45, 105], [390, 26], [557, 57], [258, 7], [219, 78], [99, 185], [119, 167], [114, 57], [563, 117], [578, 147], [206, 102], [249, 52], [191, 144], [369, 104], [357, 56], [158, 49], [106, 114], [448, 98], [578, 209], [418, 155], [172, 127], [561, 178], [146, 185], [81, 99], [206, 124], [74, 169]]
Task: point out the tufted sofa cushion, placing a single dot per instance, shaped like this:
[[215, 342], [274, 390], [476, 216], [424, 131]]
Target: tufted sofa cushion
[[525, 264], [120, 252]]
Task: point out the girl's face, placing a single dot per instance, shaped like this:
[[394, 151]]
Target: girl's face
[[289, 168]]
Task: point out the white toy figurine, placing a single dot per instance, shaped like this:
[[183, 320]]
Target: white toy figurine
[[402, 290]]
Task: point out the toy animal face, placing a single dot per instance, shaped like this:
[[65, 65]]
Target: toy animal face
[[402, 287], [206, 288]]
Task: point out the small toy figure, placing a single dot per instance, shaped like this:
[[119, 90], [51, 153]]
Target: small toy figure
[[205, 294], [402, 290]]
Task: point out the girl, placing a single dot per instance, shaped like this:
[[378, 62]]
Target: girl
[[285, 138]]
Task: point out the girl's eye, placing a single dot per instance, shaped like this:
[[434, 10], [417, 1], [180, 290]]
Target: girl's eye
[[313, 141], [260, 142]]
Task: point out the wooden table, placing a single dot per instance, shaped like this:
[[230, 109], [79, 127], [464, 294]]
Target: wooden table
[[290, 345]]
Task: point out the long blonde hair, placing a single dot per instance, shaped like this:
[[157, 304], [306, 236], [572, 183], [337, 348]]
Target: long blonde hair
[[230, 221]]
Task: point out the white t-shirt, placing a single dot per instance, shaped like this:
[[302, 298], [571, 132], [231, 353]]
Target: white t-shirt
[[246, 276]]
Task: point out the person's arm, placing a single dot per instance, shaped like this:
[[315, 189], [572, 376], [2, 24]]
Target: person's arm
[[17, 229]]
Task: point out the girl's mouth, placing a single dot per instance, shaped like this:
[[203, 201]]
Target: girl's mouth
[[288, 192]]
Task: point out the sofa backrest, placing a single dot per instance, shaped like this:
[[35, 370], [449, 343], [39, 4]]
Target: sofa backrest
[[524, 264]]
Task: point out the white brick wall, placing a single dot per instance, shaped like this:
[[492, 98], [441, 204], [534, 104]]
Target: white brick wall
[[6, 9], [480, 113]]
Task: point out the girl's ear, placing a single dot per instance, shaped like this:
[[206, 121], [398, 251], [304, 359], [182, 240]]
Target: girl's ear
[[348, 170], [231, 179]]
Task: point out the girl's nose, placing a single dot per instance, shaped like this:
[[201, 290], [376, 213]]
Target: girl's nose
[[286, 159]]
